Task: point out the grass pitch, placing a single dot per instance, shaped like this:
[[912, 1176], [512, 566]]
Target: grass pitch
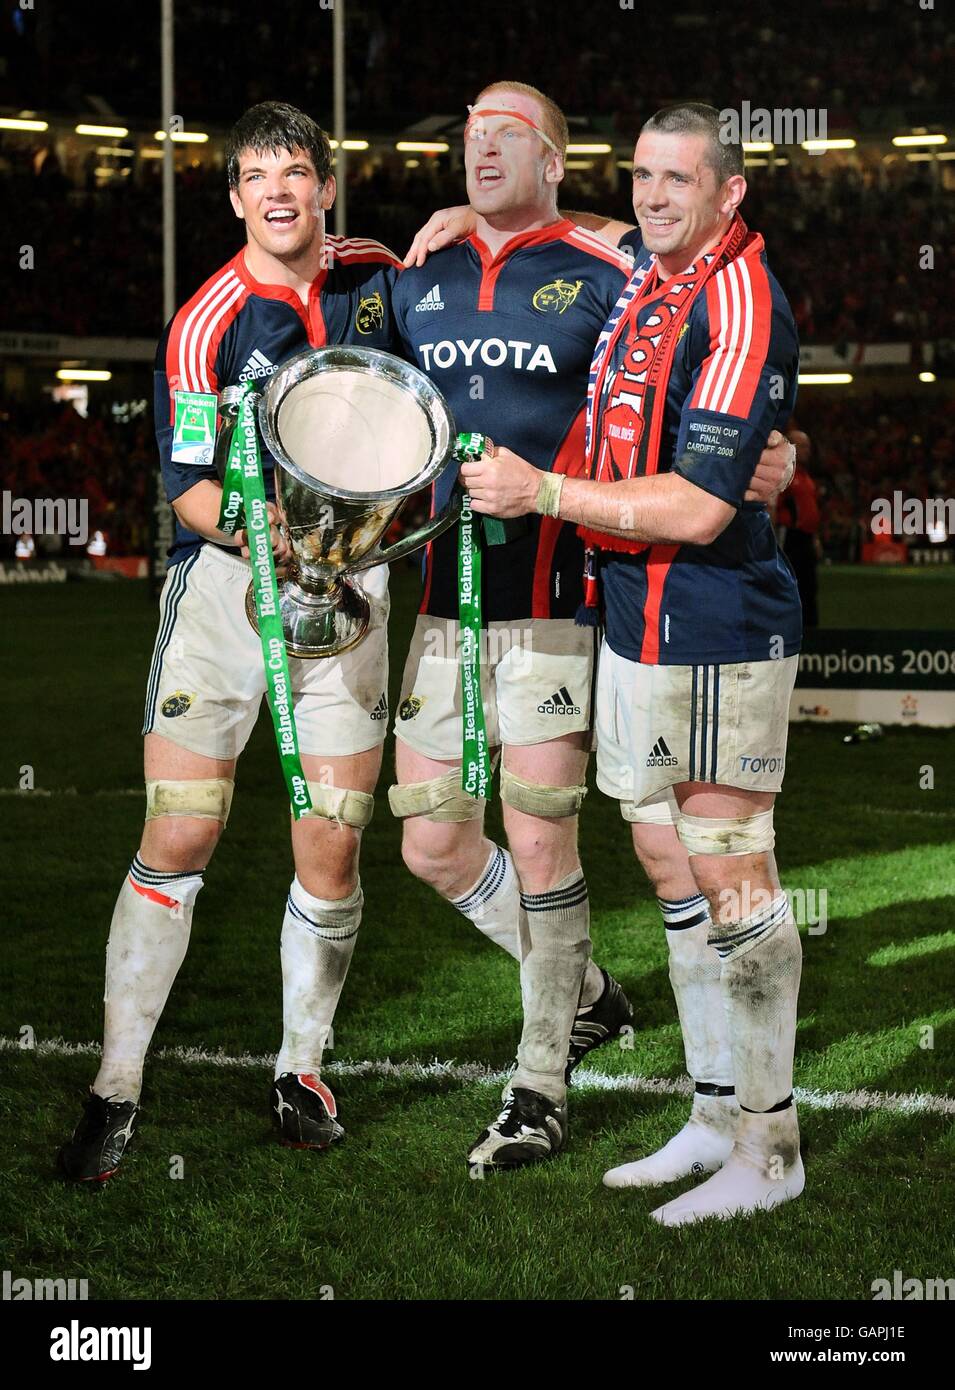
[[392, 1212]]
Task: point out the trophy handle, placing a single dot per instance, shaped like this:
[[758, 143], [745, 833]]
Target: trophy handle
[[437, 525]]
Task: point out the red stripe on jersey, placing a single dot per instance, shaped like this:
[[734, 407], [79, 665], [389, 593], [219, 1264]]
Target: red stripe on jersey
[[491, 266], [190, 356], [570, 461], [152, 895], [361, 249], [596, 246], [658, 567], [739, 307]]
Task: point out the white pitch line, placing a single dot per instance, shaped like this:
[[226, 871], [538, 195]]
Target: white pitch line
[[912, 1103]]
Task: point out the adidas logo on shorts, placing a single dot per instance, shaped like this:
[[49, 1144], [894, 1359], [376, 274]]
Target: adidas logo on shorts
[[431, 301], [381, 709], [257, 366], [660, 755], [561, 702]]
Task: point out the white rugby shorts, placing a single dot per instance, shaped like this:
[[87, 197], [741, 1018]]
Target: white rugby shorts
[[660, 725], [207, 677], [537, 677]]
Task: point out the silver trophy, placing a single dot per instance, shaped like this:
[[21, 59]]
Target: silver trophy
[[353, 433]]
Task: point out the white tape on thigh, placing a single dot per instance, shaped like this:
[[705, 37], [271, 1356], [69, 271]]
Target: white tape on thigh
[[652, 813], [440, 799], [536, 799], [712, 835], [341, 804], [207, 798]]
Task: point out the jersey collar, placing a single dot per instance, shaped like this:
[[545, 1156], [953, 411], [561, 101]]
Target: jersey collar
[[554, 232], [285, 292]]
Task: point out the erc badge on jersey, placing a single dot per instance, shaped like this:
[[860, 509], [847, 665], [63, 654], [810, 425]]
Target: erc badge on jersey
[[194, 429]]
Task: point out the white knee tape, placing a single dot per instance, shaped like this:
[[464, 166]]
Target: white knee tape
[[207, 798], [711, 835], [536, 799], [341, 804], [439, 798]]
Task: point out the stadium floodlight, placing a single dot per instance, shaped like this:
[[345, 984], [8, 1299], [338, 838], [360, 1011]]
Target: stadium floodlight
[[590, 149], [758, 146], [119, 131], [578, 164], [183, 137], [920, 139], [946, 154], [17, 123], [119, 150], [82, 374], [825, 378], [927, 377], [814, 146], [422, 147], [349, 144], [756, 162], [921, 157]]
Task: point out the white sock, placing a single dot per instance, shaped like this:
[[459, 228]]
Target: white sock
[[318, 938], [556, 948], [493, 905], [148, 937], [706, 1140], [763, 1171], [761, 964]]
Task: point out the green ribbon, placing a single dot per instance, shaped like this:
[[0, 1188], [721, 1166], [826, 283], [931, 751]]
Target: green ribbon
[[243, 505], [476, 758]]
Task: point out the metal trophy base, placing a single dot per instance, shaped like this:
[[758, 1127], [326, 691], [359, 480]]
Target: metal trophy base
[[318, 624]]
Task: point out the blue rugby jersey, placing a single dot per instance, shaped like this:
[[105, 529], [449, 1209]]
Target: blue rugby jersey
[[508, 339], [632, 242], [236, 329], [734, 379]]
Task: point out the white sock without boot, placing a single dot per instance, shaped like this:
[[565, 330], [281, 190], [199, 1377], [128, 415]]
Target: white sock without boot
[[763, 1171], [706, 1140], [761, 964], [703, 1144]]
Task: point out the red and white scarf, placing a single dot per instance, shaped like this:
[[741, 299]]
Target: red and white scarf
[[623, 435]]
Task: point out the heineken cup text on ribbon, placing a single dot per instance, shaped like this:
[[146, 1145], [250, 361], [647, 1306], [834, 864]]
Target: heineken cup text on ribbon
[[243, 502], [476, 758]]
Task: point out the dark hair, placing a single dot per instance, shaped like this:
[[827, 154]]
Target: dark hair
[[273, 126], [725, 155]]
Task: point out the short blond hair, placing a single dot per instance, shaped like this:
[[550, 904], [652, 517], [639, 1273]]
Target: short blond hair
[[553, 120]]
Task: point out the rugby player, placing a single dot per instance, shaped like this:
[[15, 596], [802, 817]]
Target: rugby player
[[702, 612], [291, 287], [505, 322]]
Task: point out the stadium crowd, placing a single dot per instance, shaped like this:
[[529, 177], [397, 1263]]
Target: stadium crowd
[[831, 235], [771, 55]]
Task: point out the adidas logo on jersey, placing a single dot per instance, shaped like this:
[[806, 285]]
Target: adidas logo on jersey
[[381, 709], [257, 366], [561, 702], [432, 300], [660, 755]]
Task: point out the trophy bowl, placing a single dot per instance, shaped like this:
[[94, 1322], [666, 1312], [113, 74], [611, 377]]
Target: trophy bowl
[[354, 432]]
